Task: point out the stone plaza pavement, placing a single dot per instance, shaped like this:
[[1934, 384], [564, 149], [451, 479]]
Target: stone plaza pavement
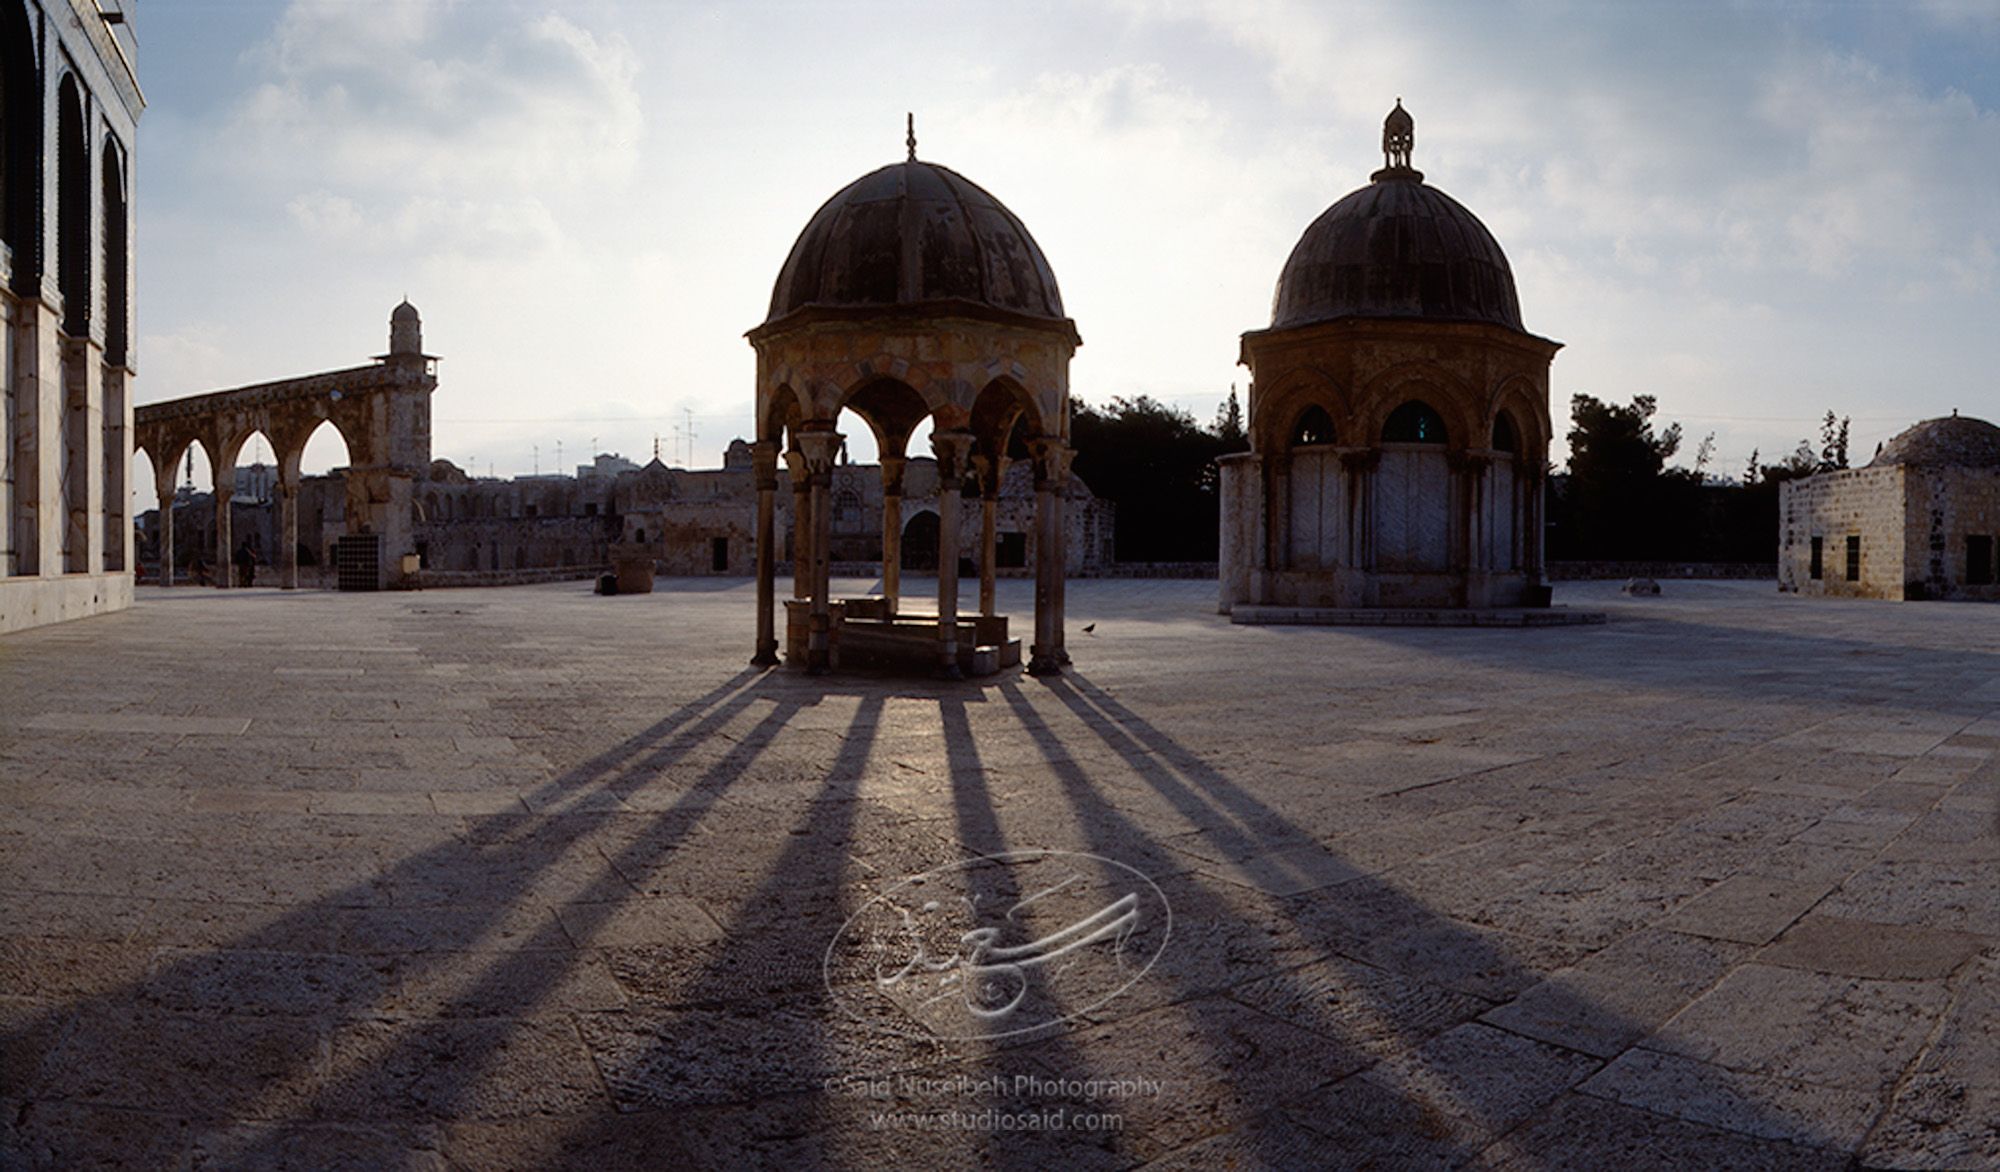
[[532, 878]]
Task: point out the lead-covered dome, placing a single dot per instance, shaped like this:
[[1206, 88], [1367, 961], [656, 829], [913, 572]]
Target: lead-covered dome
[[1953, 441], [1397, 248], [915, 233]]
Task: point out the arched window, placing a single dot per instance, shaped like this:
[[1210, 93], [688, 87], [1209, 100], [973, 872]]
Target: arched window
[[847, 511], [116, 264], [20, 146], [1504, 439], [1314, 426], [73, 210], [1413, 423]]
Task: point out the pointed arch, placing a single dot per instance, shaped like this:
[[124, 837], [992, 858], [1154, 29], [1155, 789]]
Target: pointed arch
[[73, 207]]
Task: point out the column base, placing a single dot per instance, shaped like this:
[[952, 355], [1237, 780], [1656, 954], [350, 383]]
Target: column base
[[1044, 665], [949, 671], [767, 654]]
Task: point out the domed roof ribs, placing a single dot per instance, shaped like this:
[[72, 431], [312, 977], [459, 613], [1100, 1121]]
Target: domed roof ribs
[[1396, 249], [917, 234]]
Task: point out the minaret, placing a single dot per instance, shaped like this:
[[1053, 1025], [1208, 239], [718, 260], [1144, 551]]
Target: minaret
[[406, 332]]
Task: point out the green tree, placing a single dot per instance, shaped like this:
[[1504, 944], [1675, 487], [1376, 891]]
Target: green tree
[[1228, 426], [1832, 443], [1156, 464], [1616, 498]]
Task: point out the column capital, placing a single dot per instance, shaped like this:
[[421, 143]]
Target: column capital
[[764, 464], [1361, 460], [795, 463], [1468, 461], [1052, 461], [951, 449], [820, 449], [988, 470]]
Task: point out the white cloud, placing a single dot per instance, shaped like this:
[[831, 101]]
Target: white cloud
[[443, 125]]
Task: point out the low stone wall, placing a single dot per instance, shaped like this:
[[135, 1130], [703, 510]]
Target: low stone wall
[[441, 579], [1611, 571], [1206, 570]]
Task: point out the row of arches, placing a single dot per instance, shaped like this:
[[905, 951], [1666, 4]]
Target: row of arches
[[166, 459], [975, 433], [81, 249], [1414, 422], [65, 213]]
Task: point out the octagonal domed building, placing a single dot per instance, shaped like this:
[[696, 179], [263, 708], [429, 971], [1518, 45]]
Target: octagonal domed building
[[1920, 521], [1398, 417], [912, 295]]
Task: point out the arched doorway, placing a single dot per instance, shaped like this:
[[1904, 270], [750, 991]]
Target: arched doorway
[[920, 543]]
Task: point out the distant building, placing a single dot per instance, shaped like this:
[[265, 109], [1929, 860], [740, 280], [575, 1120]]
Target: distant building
[[1922, 520]]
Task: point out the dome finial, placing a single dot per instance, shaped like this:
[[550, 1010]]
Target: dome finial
[[911, 139], [1399, 136]]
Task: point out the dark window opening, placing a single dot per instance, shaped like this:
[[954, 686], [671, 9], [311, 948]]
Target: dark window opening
[[718, 554], [1315, 426], [590, 510], [423, 555], [1010, 550], [1979, 561], [116, 302], [639, 535], [1854, 559], [1818, 558], [73, 211], [530, 509], [1504, 439], [1413, 423]]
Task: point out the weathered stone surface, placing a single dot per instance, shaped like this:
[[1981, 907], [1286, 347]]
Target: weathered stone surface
[[446, 957], [1858, 948], [1620, 995]]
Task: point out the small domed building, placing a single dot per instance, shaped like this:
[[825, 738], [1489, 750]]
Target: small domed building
[[1398, 415], [1921, 520], [913, 294]]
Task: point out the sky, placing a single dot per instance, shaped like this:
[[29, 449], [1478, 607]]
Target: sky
[[1755, 212]]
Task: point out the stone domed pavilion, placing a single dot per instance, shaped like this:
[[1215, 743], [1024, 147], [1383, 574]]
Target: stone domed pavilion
[[1398, 417], [913, 295]]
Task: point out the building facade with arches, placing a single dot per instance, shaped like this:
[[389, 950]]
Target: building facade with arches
[[69, 113], [382, 412], [912, 296], [1398, 415]]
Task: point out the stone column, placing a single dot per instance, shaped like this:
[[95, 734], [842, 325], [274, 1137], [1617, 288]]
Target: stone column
[[820, 449], [988, 470], [764, 463], [1533, 484], [288, 529], [1360, 466], [165, 487], [892, 531], [1059, 626], [951, 449], [224, 569], [1051, 470], [802, 530]]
